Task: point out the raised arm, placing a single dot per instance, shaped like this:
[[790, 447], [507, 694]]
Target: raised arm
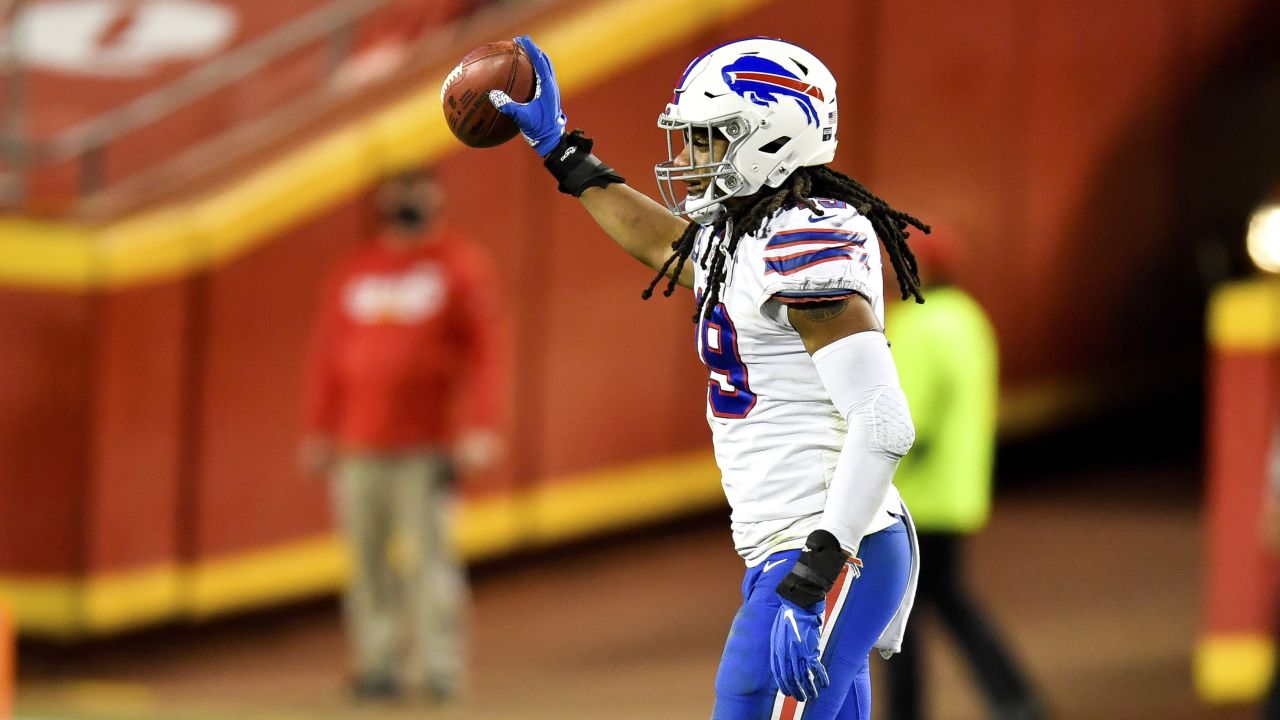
[[642, 227], [639, 225]]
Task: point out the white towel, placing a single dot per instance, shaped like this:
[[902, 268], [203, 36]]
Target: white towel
[[890, 641]]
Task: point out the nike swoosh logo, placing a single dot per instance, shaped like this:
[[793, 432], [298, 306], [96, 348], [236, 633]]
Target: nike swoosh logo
[[771, 565], [790, 615]]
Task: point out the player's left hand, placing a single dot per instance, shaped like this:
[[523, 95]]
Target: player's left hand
[[540, 120], [794, 650]]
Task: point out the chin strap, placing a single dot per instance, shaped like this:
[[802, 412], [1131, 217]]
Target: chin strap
[[575, 168], [707, 215]]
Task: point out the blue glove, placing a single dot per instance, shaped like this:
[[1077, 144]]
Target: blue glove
[[794, 656], [540, 120]]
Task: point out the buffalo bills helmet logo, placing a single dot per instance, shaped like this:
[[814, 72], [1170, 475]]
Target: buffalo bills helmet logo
[[761, 81]]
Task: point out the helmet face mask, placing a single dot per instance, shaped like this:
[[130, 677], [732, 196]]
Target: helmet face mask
[[773, 102], [716, 174]]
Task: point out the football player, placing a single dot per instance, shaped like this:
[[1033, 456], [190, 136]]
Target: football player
[[809, 422]]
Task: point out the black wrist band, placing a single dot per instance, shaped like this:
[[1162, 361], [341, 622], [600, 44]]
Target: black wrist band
[[816, 571], [575, 168]]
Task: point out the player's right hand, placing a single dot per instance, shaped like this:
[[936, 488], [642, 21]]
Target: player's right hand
[[540, 120]]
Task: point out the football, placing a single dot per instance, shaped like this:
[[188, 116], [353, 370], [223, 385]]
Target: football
[[464, 96]]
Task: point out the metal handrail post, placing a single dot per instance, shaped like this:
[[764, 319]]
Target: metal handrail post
[[341, 39], [205, 79], [92, 169]]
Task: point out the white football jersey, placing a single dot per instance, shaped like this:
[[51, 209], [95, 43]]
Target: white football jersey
[[776, 433]]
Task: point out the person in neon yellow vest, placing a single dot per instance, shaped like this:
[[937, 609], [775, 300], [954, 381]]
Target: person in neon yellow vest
[[947, 360]]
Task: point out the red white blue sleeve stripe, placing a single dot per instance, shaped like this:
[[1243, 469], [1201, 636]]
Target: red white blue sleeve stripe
[[789, 252], [815, 236]]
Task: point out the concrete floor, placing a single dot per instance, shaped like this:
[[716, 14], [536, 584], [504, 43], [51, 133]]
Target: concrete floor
[[1092, 575]]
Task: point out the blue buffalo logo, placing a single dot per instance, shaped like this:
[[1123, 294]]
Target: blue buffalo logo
[[762, 81]]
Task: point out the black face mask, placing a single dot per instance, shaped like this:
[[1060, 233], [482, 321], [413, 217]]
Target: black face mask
[[408, 216]]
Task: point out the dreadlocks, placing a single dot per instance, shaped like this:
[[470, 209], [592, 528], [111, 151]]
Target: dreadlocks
[[805, 183]]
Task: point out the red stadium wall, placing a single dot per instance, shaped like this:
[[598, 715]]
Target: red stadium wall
[[156, 426], [49, 386]]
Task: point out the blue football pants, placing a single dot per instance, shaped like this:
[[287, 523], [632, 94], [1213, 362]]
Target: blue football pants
[[859, 607]]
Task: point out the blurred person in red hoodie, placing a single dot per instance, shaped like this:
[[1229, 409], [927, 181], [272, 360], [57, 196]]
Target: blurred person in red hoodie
[[408, 329]]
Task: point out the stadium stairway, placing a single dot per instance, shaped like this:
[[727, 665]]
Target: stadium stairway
[[155, 457]]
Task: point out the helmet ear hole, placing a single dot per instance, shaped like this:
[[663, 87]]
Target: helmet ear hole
[[773, 147]]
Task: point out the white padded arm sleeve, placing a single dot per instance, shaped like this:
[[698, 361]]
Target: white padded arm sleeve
[[860, 377]]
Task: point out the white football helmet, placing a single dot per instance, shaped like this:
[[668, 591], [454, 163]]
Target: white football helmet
[[773, 101]]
